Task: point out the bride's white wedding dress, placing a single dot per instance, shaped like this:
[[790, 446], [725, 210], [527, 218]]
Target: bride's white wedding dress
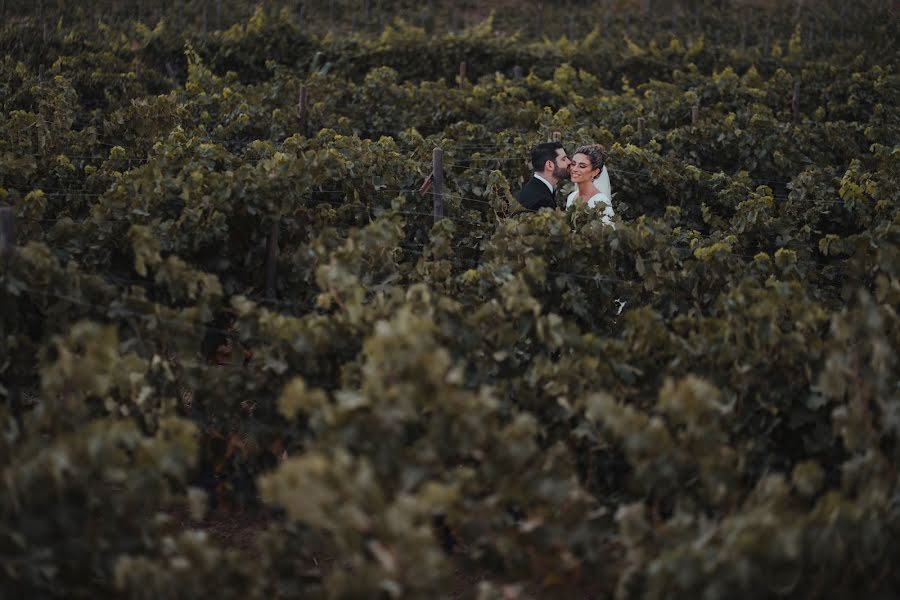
[[601, 198]]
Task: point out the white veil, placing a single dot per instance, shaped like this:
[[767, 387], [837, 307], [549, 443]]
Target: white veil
[[602, 183]]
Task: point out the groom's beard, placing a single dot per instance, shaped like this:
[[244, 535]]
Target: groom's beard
[[560, 172]]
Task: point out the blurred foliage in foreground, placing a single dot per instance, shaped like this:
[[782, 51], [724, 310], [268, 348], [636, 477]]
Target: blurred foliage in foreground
[[701, 402]]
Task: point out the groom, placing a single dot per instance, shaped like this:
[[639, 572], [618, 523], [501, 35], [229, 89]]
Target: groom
[[550, 164]]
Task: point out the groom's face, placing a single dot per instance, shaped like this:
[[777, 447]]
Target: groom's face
[[561, 165]]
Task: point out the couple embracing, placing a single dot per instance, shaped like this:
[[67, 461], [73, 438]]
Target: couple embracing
[[586, 169]]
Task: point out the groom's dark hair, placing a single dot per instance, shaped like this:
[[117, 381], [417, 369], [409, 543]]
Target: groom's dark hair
[[544, 152]]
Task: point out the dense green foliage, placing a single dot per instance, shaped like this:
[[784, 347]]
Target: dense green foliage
[[700, 402]]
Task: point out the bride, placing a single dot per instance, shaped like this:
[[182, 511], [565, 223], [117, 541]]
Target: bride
[[588, 172]]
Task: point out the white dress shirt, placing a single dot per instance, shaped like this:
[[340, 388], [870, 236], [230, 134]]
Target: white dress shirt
[[547, 183]]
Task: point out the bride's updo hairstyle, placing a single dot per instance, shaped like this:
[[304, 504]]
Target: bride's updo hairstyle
[[596, 153]]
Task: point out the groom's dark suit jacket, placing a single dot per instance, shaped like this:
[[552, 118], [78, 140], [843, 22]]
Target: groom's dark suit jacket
[[536, 195]]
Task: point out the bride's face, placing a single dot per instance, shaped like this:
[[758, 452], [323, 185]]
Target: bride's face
[[581, 169]]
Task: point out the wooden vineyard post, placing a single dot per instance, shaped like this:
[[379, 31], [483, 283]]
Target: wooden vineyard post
[[539, 15], [7, 233], [795, 101], [695, 114], [302, 110], [462, 75], [271, 260], [640, 130], [437, 171], [556, 137], [42, 20], [743, 34]]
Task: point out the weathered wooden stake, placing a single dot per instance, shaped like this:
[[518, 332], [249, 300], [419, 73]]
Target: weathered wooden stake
[[437, 171], [271, 260], [795, 101], [302, 110], [843, 19], [556, 137], [462, 75], [695, 114], [539, 15], [640, 130], [7, 233], [43, 21]]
